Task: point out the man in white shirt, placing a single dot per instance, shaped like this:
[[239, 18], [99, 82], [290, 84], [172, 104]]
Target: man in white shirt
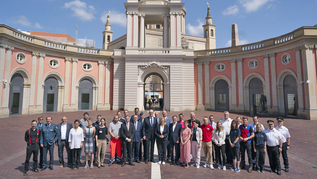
[[226, 124], [274, 143], [168, 121], [286, 141], [64, 128], [253, 126]]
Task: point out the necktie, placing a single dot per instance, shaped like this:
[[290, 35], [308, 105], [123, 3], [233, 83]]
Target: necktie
[[151, 121], [128, 126]]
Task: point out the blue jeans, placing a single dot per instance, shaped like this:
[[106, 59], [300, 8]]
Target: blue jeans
[[50, 148]]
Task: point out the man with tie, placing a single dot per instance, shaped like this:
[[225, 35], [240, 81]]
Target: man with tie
[[48, 138], [173, 140], [138, 137], [39, 126], [136, 112], [192, 118], [64, 127], [168, 121], [149, 127], [127, 135], [142, 142]]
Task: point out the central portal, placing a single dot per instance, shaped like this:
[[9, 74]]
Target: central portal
[[154, 92]]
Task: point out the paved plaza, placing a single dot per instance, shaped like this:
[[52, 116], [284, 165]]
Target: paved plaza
[[302, 153]]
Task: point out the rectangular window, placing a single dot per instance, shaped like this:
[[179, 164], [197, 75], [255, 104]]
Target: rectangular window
[[158, 26], [50, 103], [222, 105], [85, 101], [15, 103]]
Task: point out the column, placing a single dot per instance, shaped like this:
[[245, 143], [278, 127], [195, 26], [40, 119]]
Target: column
[[7, 70], [240, 84], [179, 31], [33, 79], [300, 97], [273, 83], [207, 98], [267, 86], [172, 30], [200, 106], [233, 94], [2, 60], [40, 88], [142, 30], [100, 85], [135, 30], [74, 97], [165, 35], [129, 30], [67, 84], [107, 86]]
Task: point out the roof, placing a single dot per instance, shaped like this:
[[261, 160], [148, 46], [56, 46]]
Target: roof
[[53, 36]]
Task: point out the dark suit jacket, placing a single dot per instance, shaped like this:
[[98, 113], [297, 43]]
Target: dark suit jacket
[[148, 130], [158, 133], [125, 133], [49, 134], [174, 136], [69, 126], [190, 123], [138, 133]]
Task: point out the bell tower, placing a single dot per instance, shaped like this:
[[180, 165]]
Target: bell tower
[[209, 31], [107, 33]]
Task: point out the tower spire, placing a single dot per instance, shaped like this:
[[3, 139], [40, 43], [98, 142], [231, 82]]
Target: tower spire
[[108, 25], [208, 17]]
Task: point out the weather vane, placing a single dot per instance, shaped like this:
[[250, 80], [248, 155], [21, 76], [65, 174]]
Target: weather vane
[[208, 4], [108, 13]]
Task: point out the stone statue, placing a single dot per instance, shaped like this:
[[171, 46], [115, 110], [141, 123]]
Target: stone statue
[[263, 102], [208, 4]]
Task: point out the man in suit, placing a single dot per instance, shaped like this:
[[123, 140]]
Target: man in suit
[[149, 127], [39, 126], [64, 127], [138, 137], [48, 138], [121, 119], [136, 112], [192, 118], [156, 114], [127, 135], [168, 121], [174, 140], [142, 142]]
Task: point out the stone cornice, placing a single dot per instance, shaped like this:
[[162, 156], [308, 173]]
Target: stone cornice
[[233, 60], [9, 47]]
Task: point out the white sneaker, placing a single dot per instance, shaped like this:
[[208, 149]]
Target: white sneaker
[[159, 162], [197, 166], [193, 165], [219, 166], [163, 163], [206, 165], [224, 168], [211, 167]]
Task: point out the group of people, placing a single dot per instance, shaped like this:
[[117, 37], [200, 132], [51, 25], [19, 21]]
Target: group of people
[[177, 140]]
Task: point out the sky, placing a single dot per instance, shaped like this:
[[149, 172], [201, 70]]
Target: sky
[[257, 19]]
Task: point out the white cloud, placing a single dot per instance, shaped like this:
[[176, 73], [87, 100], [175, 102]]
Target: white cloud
[[22, 20], [195, 30], [231, 10], [241, 42], [37, 25], [115, 18], [253, 5], [81, 10]]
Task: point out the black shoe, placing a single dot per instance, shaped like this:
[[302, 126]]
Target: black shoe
[[123, 164], [152, 160], [77, 167], [242, 167], [110, 163], [25, 173], [51, 168], [286, 170], [146, 161], [73, 167], [130, 163], [279, 172], [36, 170], [43, 168], [99, 166], [137, 161], [172, 163]]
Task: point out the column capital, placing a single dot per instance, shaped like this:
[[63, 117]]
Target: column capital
[[107, 62], [206, 63], [272, 54], [239, 59], [68, 59], [297, 49], [35, 53], [233, 60], [265, 56], [42, 55], [142, 15], [132, 13], [9, 47], [101, 62], [199, 63], [75, 59], [308, 46]]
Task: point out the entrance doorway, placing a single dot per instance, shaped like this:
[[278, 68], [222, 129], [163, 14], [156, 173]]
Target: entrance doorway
[[255, 90], [85, 95], [50, 95], [153, 92], [16, 94], [222, 96], [290, 95]]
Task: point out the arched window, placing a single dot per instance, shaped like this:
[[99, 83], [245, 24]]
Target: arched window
[[108, 38], [211, 33], [206, 33]]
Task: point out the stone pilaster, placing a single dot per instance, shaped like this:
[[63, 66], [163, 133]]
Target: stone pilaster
[[67, 84], [240, 85], [40, 88], [300, 96], [200, 106], [165, 34], [107, 86], [233, 95], [267, 81], [142, 30], [101, 65], [32, 101], [2, 60], [74, 95], [207, 96], [274, 108]]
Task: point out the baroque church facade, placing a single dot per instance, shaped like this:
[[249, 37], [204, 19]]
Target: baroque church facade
[[156, 65]]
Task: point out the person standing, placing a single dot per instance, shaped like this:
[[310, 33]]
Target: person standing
[[168, 121], [174, 140], [76, 142], [64, 128], [274, 146], [219, 139], [234, 141], [246, 135], [226, 124], [90, 132], [206, 142], [157, 116], [214, 126], [49, 136], [196, 144], [127, 135], [125, 114], [101, 142], [32, 138], [142, 142], [253, 126], [192, 118], [286, 141], [83, 123], [161, 133], [115, 142], [149, 127], [96, 125], [136, 112], [39, 126], [138, 137], [259, 145], [121, 119], [185, 144], [181, 119]]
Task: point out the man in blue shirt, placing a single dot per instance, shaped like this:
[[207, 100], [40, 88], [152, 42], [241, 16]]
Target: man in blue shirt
[[39, 126], [48, 138], [259, 146]]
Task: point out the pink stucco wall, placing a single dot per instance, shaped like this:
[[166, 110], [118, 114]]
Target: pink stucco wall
[[280, 66], [28, 63], [247, 70]]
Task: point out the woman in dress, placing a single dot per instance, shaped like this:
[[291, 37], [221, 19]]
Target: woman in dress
[[185, 145], [219, 139], [196, 144], [161, 133], [101, 142], [76, 142], [89, 142]]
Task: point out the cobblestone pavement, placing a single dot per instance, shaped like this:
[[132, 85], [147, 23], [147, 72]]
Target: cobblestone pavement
[[302, 153]]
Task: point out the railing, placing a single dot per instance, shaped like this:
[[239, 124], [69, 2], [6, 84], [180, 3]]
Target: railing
[[154, 51], [284, 39], [213, 52], [88, 51], [22, 36], [252, 47], [55, 45]]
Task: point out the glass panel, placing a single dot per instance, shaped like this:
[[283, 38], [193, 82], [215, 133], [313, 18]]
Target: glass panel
[[222, 106], [85, 101], [291, 104], [153, 92], [15, 103], [257, 102], [50, 103]]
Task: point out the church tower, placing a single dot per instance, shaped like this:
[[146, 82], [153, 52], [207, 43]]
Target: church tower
[[209, 31], [107, 34]]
